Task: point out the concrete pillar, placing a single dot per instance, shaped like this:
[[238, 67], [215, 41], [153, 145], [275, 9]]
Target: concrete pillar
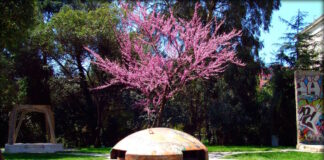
[[309, 110]]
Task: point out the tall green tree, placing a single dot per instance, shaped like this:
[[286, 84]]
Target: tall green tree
[[299, 48], [75, 28], [283, 105], [22, 73], [34, 60], [16, 18]]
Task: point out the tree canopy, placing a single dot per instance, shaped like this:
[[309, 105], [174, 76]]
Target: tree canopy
[[196, 76], [167, 54], [299, 50]]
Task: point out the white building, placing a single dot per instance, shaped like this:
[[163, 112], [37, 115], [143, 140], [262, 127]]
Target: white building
[[316, 29]]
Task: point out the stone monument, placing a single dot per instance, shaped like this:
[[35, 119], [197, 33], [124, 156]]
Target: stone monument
[[159, 144], [21, 111], [309, 110]]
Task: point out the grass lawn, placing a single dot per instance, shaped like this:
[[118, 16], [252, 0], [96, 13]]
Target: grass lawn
[[277, 155], [105, 150], [50, 156], [245, 156], [210, 149], [244, 148]]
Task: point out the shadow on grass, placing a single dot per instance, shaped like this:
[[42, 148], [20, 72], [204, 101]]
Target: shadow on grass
[[90, 150], [53, 156]]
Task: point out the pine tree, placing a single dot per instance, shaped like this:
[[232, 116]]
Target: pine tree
[[298, 50]]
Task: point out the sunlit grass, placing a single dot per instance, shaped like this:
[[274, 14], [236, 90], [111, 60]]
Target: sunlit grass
[[105, 150], [210, 149]]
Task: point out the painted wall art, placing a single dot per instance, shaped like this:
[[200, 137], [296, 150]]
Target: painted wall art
[[310, 108]]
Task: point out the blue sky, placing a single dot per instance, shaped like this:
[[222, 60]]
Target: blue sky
[[287, 10]]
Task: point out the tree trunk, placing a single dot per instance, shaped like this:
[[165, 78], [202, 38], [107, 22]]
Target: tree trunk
[[208, 132], [99, 102], [46, 79], [158, 120], [99, 127], [211, 7], [1, 156], [83, 82], [86, 93]]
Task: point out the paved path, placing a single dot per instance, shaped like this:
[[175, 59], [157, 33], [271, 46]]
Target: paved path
[[221, 155], [89, 154], [218, 155]]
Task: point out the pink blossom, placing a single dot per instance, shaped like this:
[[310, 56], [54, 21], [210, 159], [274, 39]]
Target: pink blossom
[[191, 52]]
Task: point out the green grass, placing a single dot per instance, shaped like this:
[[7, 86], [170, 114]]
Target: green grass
[[210, 149], [244, 148], [93, 150], [247, 156], [50, 156], [277, 156]]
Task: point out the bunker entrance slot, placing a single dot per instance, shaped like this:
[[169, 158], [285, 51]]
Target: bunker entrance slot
[[194, 155], [117, 154]]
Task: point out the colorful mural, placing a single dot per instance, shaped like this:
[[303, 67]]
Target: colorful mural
[[310, 108]]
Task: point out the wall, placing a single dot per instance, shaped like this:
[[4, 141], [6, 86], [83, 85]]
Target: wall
[[310, 108], [316, 29]]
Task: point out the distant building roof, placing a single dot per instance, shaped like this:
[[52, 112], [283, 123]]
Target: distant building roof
[[318, 22], [316, 29]]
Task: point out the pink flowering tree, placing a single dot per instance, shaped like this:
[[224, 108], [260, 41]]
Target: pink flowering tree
[[165, 54]]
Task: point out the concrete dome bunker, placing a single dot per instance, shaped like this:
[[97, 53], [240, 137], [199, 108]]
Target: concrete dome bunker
[[159, 144]]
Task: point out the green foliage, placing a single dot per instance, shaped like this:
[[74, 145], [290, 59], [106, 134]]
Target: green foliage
[[7, 87], [42, 61], [73, 29], [16, 18], [19, 65], [70, 26], [188, 115], [40, 44], [22, 94], [283, 103], [102, 21], [81, 27], [299, 48], [42, 38]]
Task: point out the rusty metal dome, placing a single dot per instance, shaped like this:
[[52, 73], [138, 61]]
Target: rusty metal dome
[[159, 144]]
